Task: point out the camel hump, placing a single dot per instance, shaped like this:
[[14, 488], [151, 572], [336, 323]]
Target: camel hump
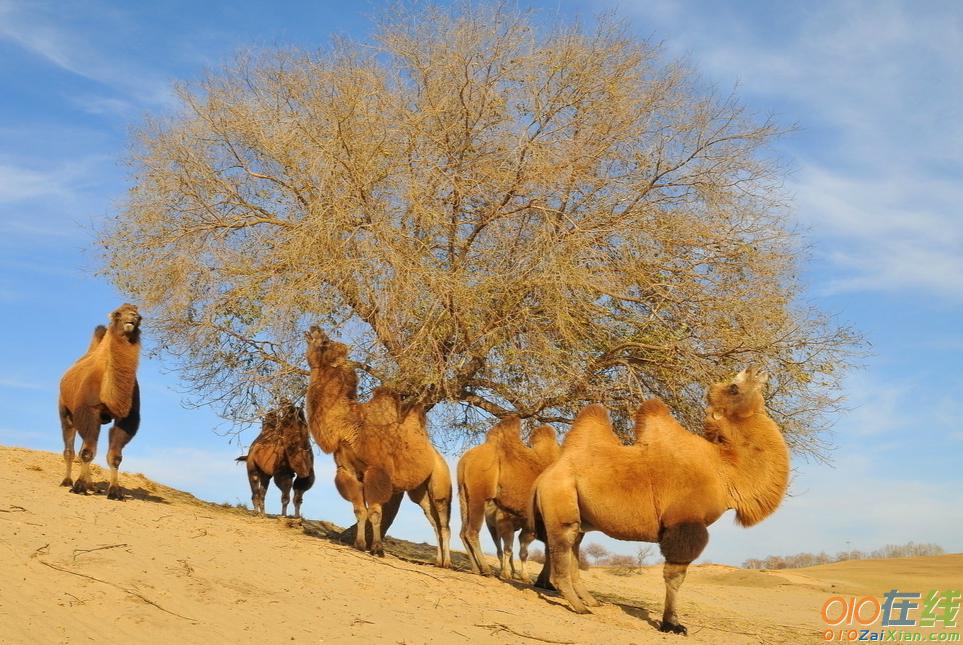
[[592, 425], [509, 428], [99, 332], [542, 434], [595, 412], [383, 407], [652, 407]]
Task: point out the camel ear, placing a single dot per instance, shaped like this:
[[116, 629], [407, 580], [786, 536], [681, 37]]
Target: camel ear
[[741, 377], [715, 415]]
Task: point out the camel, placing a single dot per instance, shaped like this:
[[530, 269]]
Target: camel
[[101, 386], [381, 448], [666, 488], [494, 484], [281, 451]]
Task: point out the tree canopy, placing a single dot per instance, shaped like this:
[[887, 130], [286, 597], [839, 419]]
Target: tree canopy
[[495, 214]]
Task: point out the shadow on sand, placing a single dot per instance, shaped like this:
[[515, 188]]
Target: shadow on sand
[[139, 494]]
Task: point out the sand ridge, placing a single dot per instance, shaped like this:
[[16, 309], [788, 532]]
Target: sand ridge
[[166, 567]]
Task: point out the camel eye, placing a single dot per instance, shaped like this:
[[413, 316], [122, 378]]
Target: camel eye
[[733, 389]]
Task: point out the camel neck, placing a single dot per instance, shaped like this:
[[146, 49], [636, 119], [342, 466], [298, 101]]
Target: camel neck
[[120, 374], [756, 468], [328, 407]]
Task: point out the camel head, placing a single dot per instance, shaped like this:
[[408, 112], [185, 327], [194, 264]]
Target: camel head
[[740, 396], [125, 321], [324, 352]]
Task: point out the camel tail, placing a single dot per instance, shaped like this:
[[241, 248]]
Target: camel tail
[[534, 521], [241, 458]]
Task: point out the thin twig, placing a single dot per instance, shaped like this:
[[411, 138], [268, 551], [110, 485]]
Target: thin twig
[[13, 509], [495, 627], [117, 586], [100, 548]]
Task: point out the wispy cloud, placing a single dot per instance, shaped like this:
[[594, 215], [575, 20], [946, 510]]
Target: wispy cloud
[[20, 184], [15, 383], [875, 87], [44, 32]]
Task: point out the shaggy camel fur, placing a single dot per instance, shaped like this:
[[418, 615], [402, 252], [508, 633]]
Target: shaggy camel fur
[[102, 387], [380, 448], [494, 484], [667, 488], [282, 451]]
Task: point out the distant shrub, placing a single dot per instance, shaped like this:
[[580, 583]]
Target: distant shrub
[[799, 560]]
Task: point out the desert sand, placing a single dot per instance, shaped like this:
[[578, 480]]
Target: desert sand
[[165, 567]]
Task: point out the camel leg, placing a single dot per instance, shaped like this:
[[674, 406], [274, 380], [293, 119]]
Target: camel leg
[[562, 541], [577, 583], [254, 481], [351, 489], [389, 510], [70, 434], [436, 511], [491, 521], [680, 544], [506, 535], [263, 483], [524, 539], [420, 497], [439, 494], [87, 422], [544, 579], [283, 480], [301, 484], [472, 516], [119, 436], [377, 491]]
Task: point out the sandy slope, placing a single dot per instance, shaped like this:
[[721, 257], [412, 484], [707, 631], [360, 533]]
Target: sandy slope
[[166, 567]]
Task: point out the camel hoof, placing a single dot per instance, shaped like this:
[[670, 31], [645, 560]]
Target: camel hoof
[[67, 482], [672, 628], [581, 609], [115, 493], [79, 488], [378, 551]]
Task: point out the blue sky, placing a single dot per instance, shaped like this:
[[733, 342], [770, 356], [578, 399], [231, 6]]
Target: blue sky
[[874, 89]]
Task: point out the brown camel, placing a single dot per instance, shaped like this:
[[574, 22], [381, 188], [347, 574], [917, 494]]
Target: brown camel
[[102, 387], [380, 447], [494, 485], [667, 488], [282, 451]]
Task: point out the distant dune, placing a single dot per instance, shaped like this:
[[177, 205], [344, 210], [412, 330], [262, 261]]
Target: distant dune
[[165, 567]]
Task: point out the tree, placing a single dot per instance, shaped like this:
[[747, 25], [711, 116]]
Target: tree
[[642, 553], [497, 216], [596, 552]]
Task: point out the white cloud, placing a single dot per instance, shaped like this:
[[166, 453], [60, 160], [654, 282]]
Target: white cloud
[[16, 383], [44, 34], [876, 90], [21, 184]]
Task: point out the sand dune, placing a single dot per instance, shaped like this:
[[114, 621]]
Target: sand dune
[[166, 567]]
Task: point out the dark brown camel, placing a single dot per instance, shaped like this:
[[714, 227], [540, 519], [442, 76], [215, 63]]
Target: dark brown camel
[[282, 451]]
